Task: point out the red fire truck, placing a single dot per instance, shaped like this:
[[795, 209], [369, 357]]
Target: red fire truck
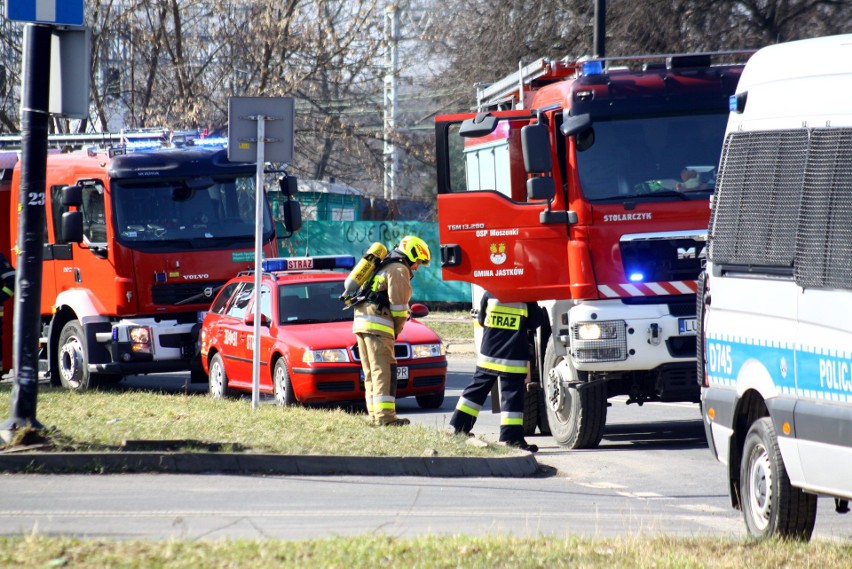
[[164, 226], [585, 186]]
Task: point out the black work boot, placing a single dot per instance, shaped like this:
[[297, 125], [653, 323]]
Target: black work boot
[[522, 444]]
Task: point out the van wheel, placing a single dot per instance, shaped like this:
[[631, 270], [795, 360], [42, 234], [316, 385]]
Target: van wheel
[[576, 413], [771, 505], [282, 387], [218, 379], [72, 360]]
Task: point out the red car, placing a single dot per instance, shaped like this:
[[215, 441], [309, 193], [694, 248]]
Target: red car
[[308, 352]]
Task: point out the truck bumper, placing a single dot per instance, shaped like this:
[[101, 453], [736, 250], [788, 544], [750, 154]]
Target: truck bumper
[[612, 336], [145, 345]]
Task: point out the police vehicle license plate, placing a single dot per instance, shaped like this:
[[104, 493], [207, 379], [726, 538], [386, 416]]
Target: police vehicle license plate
[[687, 326], [402, 372]]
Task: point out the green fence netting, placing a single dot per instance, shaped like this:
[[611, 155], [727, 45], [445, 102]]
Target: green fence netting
[[354, 237]]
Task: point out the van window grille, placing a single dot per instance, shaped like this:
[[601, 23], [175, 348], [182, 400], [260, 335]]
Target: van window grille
[[824, 243], [758, 194]]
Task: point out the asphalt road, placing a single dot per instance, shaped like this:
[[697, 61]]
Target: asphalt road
[[652, 474]]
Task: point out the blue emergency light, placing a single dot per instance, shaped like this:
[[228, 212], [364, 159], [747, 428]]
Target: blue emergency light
[[282, 264], [591, 68], [216, 141], [636, 277]]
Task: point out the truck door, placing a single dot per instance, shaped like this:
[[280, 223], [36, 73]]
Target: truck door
[[491, 234]]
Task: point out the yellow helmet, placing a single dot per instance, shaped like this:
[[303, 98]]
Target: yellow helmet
[[415, 249]]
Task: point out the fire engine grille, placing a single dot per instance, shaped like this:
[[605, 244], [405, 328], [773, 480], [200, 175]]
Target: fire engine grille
[[185, 293], [661, 260], [611, 347], [758, 193], [824, 243]]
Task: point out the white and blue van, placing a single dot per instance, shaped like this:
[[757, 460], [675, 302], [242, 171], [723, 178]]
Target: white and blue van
[[775, 305]]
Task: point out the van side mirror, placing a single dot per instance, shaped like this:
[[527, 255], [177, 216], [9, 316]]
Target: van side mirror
[[72, 196], [535, 142], [72, 225]]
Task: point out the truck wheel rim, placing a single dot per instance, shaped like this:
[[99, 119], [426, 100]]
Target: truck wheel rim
[[760, 487], [71, 361], [555, 392]]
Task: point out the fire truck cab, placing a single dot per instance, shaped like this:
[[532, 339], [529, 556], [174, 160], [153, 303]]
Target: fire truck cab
[[585, 186], [138, 240]]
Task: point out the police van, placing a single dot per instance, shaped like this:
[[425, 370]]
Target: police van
[[775, 304]]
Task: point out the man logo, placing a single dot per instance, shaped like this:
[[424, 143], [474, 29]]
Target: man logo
[[689, 253]]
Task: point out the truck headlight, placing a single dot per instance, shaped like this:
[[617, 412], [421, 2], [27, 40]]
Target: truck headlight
[[427, 351], [603, 341], [140, 339], [332, 355]]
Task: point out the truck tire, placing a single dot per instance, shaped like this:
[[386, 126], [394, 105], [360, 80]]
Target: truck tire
[[576, 413], [531, 410], [772, 507], [72, 360]]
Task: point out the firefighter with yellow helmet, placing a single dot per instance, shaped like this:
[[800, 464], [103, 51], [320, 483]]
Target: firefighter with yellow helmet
[[378, 320]]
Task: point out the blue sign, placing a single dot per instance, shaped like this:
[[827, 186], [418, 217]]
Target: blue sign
[[63, 12]]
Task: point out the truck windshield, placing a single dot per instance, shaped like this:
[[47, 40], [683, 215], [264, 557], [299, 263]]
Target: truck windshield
[[672, 157], [195, 209]]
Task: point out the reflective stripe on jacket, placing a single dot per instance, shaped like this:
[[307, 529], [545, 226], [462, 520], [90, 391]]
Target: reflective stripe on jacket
[[505, 337]]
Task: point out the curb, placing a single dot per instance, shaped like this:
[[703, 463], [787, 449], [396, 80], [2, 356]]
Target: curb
[[514, 466]]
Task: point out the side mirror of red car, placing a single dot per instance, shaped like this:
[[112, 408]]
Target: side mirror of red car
[[419, 310], [264, 320]]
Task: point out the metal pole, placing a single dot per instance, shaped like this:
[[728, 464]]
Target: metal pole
[[27, 307], [258, 253], [599, 40]]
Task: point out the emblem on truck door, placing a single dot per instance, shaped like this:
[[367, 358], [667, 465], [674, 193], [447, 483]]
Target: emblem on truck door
[[498, 253]]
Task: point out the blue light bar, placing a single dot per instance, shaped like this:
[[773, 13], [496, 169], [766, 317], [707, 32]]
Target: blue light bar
[[636, 277], [282, 264], [591, 68], [214, 141]]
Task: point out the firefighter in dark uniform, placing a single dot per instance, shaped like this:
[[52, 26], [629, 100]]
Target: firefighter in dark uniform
[[7, 291], [379, 319], [503, 355]]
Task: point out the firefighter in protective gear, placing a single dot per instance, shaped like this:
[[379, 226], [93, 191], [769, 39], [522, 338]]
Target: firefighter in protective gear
[[503, 355], [7, 291], [379, 319]]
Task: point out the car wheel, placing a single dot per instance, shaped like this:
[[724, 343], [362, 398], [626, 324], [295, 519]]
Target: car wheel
[[281, 385], [431, 401], [576, 413], [218, 379], [72, 360], [771, 505]]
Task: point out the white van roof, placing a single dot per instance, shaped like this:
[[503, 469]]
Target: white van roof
[[801, 83]]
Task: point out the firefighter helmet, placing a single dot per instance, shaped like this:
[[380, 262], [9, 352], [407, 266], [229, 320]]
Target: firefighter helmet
[[415, 249]]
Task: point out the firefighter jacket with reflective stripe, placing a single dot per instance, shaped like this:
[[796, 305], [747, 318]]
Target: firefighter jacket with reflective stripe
[[7, 280], [385, 310], [505, 334]]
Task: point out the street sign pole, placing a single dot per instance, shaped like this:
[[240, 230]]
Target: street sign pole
[[259, 144], [258, 250], [27, 314]]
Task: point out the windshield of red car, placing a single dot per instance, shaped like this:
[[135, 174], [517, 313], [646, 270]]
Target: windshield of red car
[[311, 302]]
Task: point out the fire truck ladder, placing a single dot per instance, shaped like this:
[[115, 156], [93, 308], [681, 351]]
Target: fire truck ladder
[[510, 89]]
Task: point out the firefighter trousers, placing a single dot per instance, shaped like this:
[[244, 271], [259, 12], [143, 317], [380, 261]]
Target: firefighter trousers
[[512, 387], [379, 365]]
